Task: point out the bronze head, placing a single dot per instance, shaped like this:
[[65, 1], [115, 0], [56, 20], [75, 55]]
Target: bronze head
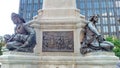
[[17, 19], [94, 18]]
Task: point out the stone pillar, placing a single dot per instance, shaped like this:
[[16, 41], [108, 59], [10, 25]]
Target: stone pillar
[[55, 4], [58, 16]]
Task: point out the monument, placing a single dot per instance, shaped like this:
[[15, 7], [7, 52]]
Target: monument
[[58, 27]]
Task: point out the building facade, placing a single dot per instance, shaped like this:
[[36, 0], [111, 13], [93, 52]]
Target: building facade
[[29, 8], [108, 11]]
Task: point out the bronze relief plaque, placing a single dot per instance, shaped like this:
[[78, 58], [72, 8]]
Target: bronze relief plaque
[[58, 41]]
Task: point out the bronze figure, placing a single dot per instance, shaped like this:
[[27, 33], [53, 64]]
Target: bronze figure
[[24, 39], [93, 41]]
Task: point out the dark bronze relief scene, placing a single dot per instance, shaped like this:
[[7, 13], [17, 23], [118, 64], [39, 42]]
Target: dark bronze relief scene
[[58, 41]]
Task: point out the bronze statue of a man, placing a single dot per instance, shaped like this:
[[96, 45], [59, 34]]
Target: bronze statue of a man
[[93, 41], [24, 39]]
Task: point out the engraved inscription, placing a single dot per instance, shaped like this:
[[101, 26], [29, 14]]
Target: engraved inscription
[[58, 41]]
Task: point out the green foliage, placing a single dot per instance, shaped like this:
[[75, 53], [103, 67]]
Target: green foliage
[[116, 43], [1, 44]]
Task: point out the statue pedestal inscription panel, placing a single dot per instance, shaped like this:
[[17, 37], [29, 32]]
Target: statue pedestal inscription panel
[[57, 41]]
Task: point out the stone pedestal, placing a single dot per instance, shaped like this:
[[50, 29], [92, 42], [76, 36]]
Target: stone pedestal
[[30, 60], [58, 20], [19, 60], [93, 60]]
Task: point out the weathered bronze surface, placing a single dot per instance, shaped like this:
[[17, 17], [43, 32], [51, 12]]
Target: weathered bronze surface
[[93, 40], [58, 41], [24, 39]]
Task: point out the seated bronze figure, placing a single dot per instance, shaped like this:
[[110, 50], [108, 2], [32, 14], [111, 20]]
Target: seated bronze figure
[[24, 39], [93, 41]]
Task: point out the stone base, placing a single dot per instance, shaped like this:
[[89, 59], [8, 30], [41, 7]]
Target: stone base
[[30, 60], [89, 61], [19, 60]]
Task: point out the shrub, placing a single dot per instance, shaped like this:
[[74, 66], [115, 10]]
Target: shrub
[[116, 43], [1, 44]]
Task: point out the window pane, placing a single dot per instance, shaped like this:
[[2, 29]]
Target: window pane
[[117, 3], [112, 20], [35, 1], [105, 29], [96, 5], [104, 20], [103, 4], [113, 29], [29, 1], [41, 1], [89, 5], [110, 3], [82, 5], [111, 12]]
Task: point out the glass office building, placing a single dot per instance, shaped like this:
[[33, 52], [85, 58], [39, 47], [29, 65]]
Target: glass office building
[[108, 11], [29, 8]]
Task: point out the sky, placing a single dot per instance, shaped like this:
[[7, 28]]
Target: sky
[[6, 8]]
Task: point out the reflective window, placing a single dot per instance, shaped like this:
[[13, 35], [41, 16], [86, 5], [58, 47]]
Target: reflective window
[[118, 12], [30, 1], [119, 28], [110, 3], [111, 12], [96, 5], [105, 29], [28, 15], [82, 5], [97, 11], [112, 20], [104, 12], [89, 5], [40, 6], [83, 12], [90, 12], [41, 1], [29, 7], [23, 1], [113, 29], [104, 20], [35, 1], [35, 7], [103, 4], [117, 3], [34, 13]]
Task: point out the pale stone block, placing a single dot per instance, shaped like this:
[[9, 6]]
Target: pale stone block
[[59, 4], [19, 60]]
